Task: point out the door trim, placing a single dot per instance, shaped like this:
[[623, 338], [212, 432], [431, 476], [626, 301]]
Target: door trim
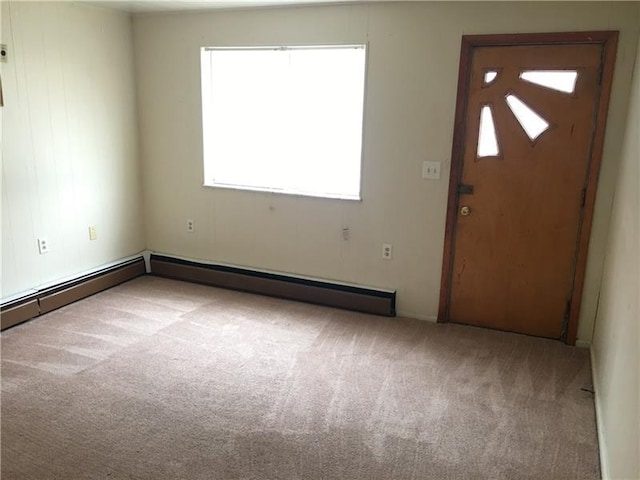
[[609, 42]]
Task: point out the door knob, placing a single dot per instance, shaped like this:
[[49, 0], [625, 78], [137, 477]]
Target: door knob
[[465, 211]]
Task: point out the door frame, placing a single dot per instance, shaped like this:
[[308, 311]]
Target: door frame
[[609, 42]]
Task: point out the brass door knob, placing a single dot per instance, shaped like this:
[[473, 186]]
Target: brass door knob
[[465, 211]]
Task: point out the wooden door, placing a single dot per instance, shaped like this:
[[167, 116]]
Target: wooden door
[[522, 192]]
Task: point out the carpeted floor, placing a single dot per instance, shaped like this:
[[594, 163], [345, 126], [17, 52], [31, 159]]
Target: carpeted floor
[[159, 379]]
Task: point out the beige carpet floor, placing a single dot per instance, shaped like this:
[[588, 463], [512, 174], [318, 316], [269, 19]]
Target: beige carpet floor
[[159, 379]]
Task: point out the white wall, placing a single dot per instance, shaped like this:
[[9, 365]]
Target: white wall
[[413, 66], [412, 79], [616, 357], [69, 142]]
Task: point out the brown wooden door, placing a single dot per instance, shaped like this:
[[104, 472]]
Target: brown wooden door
[[529, 124]]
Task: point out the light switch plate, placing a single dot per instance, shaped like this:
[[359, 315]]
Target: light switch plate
[[431, 170]]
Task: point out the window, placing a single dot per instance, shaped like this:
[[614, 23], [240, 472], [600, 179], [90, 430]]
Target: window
[[490, 76], [531, 122], [487, 138], [560, 80], [285, 119]]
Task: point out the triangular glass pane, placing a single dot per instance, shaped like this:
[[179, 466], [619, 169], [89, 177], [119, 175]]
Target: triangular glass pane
[[560, 80], [490, 76], [532, 123], [487, 139]]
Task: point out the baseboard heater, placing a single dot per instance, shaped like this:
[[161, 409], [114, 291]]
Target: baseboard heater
[[368, 300], [42, 301]]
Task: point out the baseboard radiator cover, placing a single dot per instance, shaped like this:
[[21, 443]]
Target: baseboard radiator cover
[[43, 301], [361, 299]]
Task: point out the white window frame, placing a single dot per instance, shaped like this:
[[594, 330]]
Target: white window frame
[[208, 127]]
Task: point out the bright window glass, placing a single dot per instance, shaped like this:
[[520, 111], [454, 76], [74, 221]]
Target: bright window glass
[[531, 122], [490, 76], [287, 119], [487, 138], [560, 80]]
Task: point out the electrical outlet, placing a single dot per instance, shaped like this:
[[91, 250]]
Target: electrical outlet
[[190, 225], [387, 251], [93, 232], [346, 233], [431, 170], [43, 245]]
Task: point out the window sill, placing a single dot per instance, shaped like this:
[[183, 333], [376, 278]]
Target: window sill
[[295, 193]]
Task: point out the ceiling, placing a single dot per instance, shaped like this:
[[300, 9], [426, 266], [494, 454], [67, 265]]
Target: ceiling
[[148, 6]]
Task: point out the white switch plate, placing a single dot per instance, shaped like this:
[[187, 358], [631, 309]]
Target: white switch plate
[[431, 170], [93, 232]]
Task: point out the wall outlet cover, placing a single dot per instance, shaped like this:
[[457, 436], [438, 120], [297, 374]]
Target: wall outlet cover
[[43, 245], [431, 170]]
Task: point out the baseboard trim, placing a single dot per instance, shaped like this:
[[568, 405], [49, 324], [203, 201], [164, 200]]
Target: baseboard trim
[[56, 296], [90, 286], [18, 313], [417, 316], [319, 292], [602, 444]]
